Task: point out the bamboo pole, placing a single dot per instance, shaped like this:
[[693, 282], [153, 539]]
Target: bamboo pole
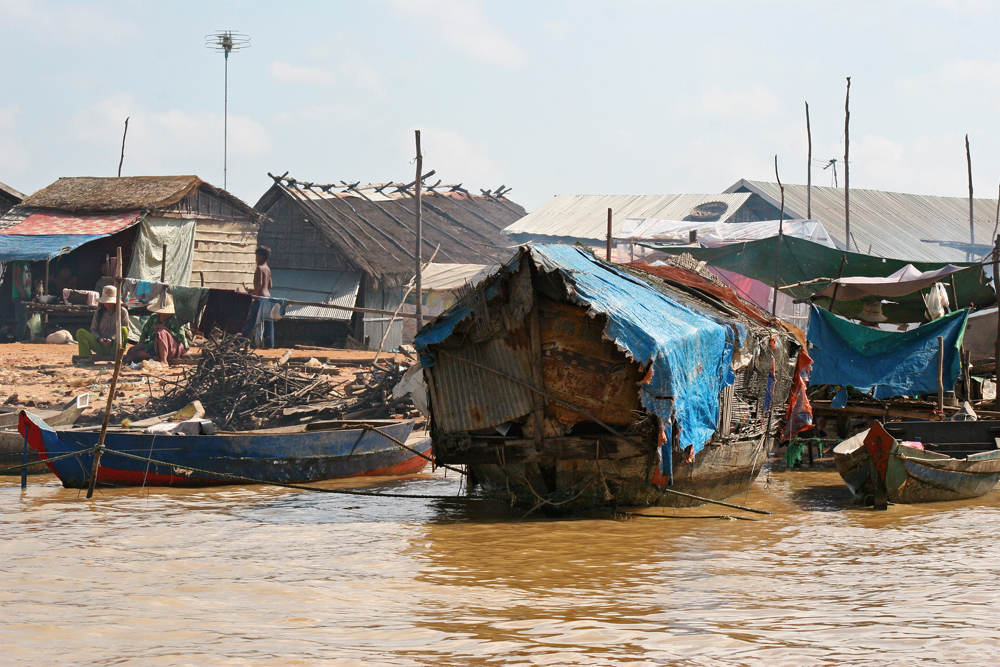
[[809, 168], [163, 265], [972, 227], [777, 250], [418, 281], [847, 178], [104, 425]]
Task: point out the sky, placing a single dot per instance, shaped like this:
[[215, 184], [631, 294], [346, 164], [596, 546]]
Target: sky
[[544, 97]]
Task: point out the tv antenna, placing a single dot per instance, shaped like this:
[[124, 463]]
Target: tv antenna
[[832, 163], [225, 42]]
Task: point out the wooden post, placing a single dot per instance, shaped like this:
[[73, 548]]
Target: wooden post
[[847, 177], [118, 300], [777, 250], [996, 344], [24, 463], [966, 378], [163, 265], [417, 282], [809, 171], [940, 373], [954, 294], [972, 227], [608, 255], [104, 424]]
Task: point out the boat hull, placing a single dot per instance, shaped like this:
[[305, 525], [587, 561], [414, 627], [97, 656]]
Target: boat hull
[[12, 442], [719, 471], [907, 475], [277, 456]]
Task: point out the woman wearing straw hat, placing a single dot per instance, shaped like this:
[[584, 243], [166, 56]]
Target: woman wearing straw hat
[[101, 339], [163, 337]]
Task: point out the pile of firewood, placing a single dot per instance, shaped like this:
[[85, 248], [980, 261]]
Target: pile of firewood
[[241, 391]]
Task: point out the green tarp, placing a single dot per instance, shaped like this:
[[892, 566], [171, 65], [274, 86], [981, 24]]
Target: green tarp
[[802, 260]]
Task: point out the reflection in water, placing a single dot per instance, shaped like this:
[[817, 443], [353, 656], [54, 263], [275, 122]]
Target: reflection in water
[[266, 576]]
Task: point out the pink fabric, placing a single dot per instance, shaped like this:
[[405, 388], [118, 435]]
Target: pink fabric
[[174, 349]]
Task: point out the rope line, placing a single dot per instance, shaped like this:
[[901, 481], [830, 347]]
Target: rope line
[[251, 480]]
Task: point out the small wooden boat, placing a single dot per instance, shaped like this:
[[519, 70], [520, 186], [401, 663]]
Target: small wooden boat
[[960, 460], [290, 455], [12, 442]]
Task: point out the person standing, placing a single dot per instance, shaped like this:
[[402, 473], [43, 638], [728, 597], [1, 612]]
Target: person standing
[[101, 338], [261, 288]]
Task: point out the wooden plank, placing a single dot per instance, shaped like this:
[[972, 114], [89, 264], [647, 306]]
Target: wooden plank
[[220, 265], [223, 226]]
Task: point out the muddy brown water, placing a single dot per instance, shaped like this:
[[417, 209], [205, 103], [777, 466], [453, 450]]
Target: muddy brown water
[[252, 575]]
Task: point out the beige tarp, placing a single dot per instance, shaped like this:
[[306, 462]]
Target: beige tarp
[[147, 253]]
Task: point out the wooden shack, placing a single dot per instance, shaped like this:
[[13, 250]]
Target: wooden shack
[[354, 245]]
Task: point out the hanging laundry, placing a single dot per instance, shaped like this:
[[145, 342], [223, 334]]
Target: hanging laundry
[[227, 310], [188, 303]]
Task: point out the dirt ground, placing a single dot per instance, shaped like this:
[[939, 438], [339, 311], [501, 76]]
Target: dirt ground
[[45, 376]]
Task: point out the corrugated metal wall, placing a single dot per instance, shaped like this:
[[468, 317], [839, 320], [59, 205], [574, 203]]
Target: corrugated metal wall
[[471, 398], [383, 298]]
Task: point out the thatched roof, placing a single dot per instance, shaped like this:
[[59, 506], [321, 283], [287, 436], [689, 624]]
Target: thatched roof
[[128, 193], [372, 227]]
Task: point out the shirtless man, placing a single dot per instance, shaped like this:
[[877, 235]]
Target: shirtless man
[[261, 287]]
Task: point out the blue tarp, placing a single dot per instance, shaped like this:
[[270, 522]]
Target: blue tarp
[[894, 363], [689, 353], [38, 247]]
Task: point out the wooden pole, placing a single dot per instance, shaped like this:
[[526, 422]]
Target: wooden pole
[[122, 160], [972, 227], [966, 379], [954, 294], [809, 170], [940, 373], [163, 265], [777, 250], [996, 344], [118, 300], [609, 236], [847, 177], [104, 424], [418, 283]]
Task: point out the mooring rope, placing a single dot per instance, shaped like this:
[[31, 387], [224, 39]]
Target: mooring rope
[[240, 478], [19, 466]]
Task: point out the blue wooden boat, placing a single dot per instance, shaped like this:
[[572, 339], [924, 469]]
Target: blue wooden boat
[[290, 455], [960, 460]]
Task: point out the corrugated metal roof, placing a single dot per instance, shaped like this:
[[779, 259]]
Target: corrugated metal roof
[[586, 216], [449, 277], [334, 287], [892, 224]]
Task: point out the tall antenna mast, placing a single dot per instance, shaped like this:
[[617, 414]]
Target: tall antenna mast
[[225, 42]]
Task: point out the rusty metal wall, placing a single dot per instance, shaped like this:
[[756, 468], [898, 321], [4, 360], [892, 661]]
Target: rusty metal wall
[[470, 398]]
